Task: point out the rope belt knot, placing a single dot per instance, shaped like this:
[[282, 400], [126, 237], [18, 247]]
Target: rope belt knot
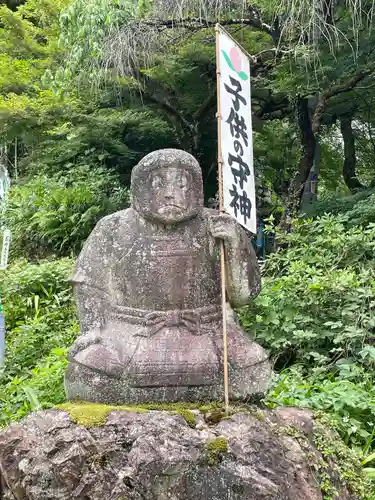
[[154, 321]]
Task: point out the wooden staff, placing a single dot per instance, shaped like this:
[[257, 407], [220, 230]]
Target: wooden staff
[[222, 249]]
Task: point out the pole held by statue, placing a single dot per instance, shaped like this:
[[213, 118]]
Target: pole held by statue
[[235, 152]]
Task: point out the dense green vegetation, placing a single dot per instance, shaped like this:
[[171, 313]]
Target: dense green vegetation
[[88, 87]]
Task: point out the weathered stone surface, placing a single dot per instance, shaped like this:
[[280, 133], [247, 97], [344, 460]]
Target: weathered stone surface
[[148, 292], [158, 456]]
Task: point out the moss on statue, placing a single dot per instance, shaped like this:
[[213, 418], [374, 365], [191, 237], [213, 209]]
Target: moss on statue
[[215, 449]]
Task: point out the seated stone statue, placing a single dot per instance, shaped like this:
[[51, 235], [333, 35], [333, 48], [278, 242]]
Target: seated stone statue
[[147, 285]]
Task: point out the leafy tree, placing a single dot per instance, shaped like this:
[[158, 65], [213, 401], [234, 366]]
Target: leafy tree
[[165, 50]]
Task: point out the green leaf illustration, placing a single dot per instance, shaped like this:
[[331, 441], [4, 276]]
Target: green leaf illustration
[[229, 62], [243, 75]]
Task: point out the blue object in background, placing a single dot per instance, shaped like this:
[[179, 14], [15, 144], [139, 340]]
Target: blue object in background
[[260, 240], [260, 236], [2, 336]]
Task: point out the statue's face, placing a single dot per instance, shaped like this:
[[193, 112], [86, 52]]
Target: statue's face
[[171, 195]]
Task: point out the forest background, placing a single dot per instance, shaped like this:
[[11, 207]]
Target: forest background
[[88, 87]]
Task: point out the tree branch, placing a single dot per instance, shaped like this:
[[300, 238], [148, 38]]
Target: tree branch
[[193, 23], [334, 91]]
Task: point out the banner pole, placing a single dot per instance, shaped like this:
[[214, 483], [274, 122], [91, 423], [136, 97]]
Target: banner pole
[[222, 249]]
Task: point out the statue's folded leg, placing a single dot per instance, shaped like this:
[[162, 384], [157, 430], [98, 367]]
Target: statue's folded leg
[[249, 366], [86, 384], [97, 352], [250, 382], [97, 363], [116, 366]]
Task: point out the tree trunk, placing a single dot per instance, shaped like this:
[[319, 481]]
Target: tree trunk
[[310, 193], [308, 144], [350, 161]]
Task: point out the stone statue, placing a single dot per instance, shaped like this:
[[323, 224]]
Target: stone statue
[[147, 285]]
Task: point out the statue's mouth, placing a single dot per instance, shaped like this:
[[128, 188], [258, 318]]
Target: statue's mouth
[[170, 206]]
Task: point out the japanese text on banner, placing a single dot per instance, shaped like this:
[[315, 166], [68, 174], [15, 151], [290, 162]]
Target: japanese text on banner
[[236, 133]]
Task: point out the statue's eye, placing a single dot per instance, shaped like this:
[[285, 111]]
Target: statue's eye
[[182, 183]]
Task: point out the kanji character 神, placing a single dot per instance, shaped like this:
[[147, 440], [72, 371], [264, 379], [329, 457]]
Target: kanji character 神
[[240, 202]]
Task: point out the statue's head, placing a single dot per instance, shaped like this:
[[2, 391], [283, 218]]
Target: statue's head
[[167, 187]]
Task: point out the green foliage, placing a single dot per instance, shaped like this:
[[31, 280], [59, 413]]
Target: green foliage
[[340, 459], [362, 212], [316, 315], [357, 209], [54, 215], [346, 395], [28, 46], [105, 138], [84, 27], [318, 296], [41, 323]]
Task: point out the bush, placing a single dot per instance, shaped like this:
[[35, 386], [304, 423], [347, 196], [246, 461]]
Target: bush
[[54, 215], [318, 295], [363, 212], [40, 324], [316, 316], [357, 209], [346, 397]]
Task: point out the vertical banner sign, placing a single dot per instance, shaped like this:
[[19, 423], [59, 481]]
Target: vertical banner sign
[[5, 234], [5, 249], [235, 132]]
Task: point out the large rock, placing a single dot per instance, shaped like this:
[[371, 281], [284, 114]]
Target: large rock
[[151, 455]]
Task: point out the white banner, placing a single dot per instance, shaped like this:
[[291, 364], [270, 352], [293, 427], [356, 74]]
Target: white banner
[[4, 182], [236, 133], [5, 249]]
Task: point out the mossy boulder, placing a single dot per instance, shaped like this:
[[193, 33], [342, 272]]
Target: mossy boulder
[[95, 452]]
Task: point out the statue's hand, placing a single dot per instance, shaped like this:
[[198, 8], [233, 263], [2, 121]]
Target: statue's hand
[[83, 343], [223, 227]]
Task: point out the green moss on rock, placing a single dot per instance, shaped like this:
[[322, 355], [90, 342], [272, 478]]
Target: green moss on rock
[[215, 416], [215, 449], [93, 414], [258, 414], [341, 461], [188, 415]]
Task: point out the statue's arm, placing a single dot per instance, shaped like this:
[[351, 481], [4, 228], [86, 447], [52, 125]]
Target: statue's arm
[[92, 277], [92, 305], [242, 268], [243, 273]]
